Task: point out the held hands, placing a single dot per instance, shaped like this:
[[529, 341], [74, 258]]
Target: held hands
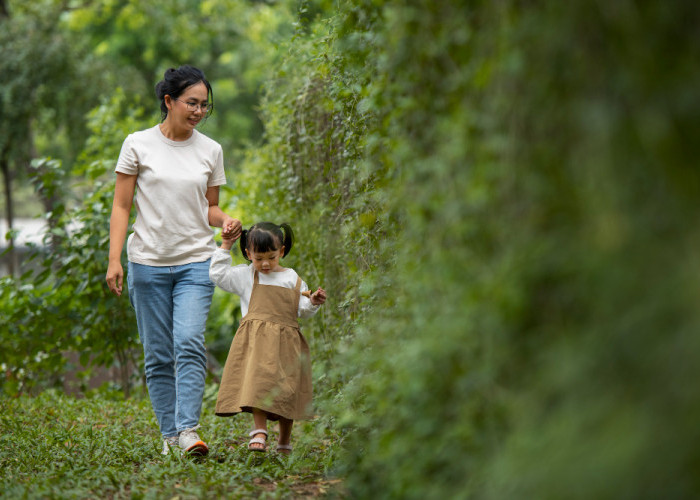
[[317, 298], [230, 231]]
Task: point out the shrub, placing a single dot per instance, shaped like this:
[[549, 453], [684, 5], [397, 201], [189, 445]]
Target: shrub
[[64, 305]]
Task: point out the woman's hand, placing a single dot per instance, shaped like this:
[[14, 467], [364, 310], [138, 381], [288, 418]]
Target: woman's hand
[[115, 278]]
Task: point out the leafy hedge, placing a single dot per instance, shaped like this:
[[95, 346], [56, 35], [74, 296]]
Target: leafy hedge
[[311, 172], [498, 198]]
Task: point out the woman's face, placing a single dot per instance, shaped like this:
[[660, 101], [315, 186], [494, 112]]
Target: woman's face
[[187, 110]]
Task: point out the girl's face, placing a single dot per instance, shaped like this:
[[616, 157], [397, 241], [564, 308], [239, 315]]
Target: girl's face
[[188, 109], [266, 262]]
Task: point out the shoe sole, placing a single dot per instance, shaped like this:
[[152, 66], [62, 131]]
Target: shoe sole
[[199, 449]]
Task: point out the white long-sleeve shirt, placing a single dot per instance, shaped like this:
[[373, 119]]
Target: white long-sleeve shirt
[[239, 280]]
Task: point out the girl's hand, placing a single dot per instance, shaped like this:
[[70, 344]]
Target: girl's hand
[[231, 229], [318, 297]]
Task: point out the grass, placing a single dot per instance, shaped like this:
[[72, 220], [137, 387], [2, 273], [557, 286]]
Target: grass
[[59, 446]]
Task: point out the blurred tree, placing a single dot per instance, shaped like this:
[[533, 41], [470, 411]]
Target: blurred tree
[[59, 57], [232, 41], [44, 99]]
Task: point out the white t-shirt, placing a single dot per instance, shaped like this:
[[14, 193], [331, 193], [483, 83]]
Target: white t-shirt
[[172, 211], [239, 280]]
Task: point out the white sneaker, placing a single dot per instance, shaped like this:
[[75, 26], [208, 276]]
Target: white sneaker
[[170, 443], [190, 443]]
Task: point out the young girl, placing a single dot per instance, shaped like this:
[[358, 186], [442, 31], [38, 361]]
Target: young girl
[[268, 370]]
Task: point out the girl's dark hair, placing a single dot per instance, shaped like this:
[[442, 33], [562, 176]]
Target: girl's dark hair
[[174, 83], [267, 237]]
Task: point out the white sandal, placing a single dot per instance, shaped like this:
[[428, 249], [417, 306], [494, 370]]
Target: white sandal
[[258, 440], [284, 447]]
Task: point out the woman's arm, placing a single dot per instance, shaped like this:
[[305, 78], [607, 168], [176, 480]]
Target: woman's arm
[[118, 224], [217, 218]]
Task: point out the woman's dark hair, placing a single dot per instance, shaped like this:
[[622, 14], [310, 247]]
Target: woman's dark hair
[[267, 237], [174, 83]]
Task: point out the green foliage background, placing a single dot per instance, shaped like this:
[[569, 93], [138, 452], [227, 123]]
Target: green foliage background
[[499, 198], [507, 241]]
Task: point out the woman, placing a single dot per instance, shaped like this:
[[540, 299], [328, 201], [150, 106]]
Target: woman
[[177, 171]]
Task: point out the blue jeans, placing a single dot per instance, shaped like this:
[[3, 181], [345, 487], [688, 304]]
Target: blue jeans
[[172, 304]]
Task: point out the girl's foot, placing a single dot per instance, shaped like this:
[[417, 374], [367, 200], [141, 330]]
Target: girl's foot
[[284, 449], [258, 441]]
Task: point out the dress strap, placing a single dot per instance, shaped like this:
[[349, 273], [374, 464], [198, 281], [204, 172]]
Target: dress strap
[[255, 279], [297, 296]]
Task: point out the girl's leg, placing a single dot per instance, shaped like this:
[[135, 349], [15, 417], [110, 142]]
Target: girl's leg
[[192, 295], [260, 422], [150, 293], [285, 434]]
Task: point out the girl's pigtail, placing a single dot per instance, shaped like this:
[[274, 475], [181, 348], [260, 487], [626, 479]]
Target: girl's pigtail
[[288, 237], [243, 241]]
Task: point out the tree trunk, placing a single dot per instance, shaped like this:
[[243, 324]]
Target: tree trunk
[[124, 372], [13, 263], [50, 197]]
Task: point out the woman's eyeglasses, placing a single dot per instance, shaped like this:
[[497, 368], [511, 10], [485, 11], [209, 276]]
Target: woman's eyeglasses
[[192, 106]]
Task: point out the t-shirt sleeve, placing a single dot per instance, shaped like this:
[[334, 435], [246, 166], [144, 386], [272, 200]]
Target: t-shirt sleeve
[[218, 175], [128, 162]]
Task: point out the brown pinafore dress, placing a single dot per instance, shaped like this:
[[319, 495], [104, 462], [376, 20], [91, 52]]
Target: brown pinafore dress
[[268, 366]]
